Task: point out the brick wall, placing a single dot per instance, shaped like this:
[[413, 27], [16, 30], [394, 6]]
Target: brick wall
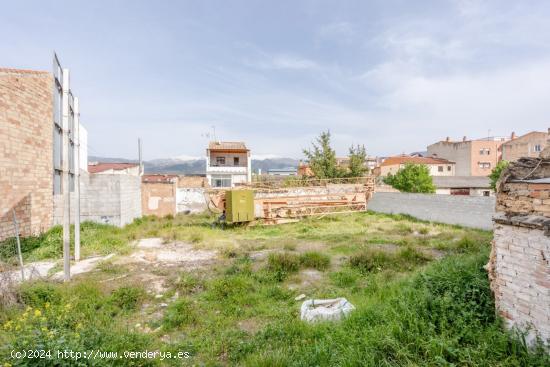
[[521, 275], [519, 267], [26, 151], [524, 198]]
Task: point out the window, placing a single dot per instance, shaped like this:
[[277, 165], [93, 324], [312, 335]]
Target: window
[[486, 193], [235, 161], [484, 151], [439, 168], [221, 181], [449, 168], [220, 161], [484, 165], [537, 148]]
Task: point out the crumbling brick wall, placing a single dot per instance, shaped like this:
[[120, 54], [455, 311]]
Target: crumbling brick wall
[[26, 151], [519, 267]]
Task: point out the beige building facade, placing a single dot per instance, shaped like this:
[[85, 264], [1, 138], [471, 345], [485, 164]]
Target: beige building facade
[[472, 157], [437, 166], [528, 145]]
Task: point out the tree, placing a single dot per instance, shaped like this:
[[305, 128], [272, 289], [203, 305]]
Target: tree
[[357, 158], [322, 158], [495, 173], [412, 178]]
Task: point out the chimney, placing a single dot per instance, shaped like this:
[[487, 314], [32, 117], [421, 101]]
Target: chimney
[[448, 139], [513, 136], [464, 138]]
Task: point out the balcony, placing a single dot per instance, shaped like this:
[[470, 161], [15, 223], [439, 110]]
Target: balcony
[[227, 169]]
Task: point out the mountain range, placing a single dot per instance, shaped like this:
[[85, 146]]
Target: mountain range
[[196, 165]]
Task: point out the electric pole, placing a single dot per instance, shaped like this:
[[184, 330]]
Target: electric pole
[[65, 185], [77, 180]]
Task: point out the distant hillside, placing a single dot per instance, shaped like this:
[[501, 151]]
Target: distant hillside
[[196, 166]]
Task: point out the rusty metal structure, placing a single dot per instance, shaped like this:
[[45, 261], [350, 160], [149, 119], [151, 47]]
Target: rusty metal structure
[[281, 201]]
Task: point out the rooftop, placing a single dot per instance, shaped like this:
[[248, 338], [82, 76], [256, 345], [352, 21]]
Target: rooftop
[[102, 167], [159, 178], [402, 159], [461, 182], [22, 71], [227, 145]]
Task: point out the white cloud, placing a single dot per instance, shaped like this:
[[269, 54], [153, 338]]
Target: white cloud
[[283, 62]]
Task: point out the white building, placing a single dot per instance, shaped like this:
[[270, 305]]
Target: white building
[[228, 164]]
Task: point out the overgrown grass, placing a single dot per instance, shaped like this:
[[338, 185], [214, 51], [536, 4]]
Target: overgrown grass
[[411, 309]]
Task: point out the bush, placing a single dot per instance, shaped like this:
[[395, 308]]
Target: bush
[[178, 313], [282, 264], [315, 260], [128, 297], [36, 294], [371, 260]]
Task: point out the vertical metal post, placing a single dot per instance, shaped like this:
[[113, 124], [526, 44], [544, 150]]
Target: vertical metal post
[[77, 180], [16, 226], [140, 157], [65, 185]]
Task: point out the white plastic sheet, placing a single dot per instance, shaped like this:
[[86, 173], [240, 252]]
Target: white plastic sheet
[[325, 309]]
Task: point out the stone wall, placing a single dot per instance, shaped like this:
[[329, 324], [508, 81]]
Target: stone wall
[[110, 199], [524, 198], [466, 211], [26, 151]]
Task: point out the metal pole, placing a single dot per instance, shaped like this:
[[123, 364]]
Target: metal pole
[[18, 246], [77, 180], [65, 185], [140, 157]]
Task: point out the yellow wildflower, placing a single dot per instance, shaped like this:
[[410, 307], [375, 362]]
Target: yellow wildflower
[[37, 313], [7, 325]]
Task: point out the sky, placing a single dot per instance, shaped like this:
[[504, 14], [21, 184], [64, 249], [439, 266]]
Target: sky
[[392, 75]]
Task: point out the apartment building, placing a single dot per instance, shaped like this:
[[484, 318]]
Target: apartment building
[[472, 157], [228, 164], [31, 147], [528, 145]]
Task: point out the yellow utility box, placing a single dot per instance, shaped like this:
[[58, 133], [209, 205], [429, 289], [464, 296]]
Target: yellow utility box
[[239, 206]]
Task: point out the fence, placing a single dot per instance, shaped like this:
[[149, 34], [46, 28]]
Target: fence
[[469, 211]]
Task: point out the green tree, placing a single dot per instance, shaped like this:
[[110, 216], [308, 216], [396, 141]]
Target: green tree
[[412, 178], [495, 173], [357, 158], [322, 158]]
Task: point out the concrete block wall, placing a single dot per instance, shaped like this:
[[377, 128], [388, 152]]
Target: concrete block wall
[[521, 278], [104, 198], [26, 151], [469, 211]]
